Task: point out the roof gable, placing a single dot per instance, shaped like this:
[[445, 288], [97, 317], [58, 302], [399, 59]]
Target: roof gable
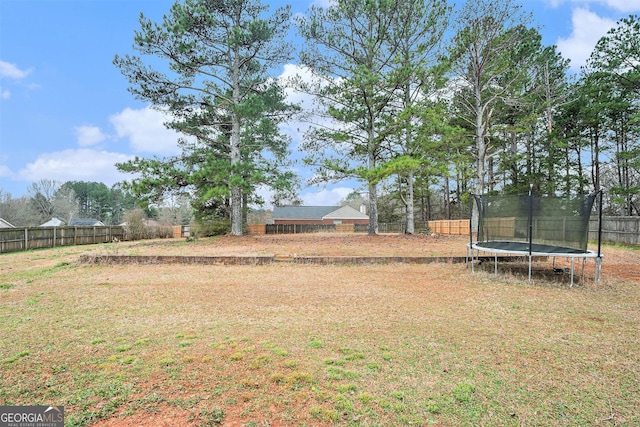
[[346, 212], [317, 212], [84, 222], [5, 224], [53, 222]]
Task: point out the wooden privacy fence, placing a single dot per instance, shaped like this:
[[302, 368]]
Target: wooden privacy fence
[[20, 239], [441, 227], [617, 229], [455, 227], [623, 230], [298, 228]]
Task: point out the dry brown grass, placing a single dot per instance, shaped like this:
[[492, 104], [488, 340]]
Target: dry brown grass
[[284, 344]]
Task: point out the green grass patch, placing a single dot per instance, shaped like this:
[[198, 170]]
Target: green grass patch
[[259, 362], [463, 392], [280, 351], [297, 379], [16, 357], [238, 355], [290, 364], [210, 417], [324, 415], [315, 344], [335, 373]]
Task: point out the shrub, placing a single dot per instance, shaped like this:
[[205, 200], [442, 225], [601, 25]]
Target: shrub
[[135, 228], [210, 227]]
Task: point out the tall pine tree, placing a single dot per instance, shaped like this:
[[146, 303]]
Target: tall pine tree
[[217, 89]]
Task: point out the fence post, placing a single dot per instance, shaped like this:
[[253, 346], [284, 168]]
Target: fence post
[[26, 238]]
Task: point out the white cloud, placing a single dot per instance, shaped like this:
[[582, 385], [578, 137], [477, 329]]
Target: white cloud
[[145, 130], [12, 71], [75, 165], [588, 28], [89, 135], [325, 197], [312, 196], [5, 171], [297, 127], [624, 5], [296, 72], [322, 3], [617, 5]]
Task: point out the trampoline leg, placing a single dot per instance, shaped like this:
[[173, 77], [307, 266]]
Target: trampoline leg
[[572, 261], [495, 265], [598, 262], [529, 268], [466, 258], [473, 261]]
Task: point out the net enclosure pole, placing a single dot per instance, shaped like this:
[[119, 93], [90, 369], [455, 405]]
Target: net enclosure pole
[[471, 200], [599, 257], [470, 247], [530, 227]]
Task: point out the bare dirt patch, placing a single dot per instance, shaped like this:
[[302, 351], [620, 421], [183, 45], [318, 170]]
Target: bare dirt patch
[[164, 416], [331, 244], [619, 262]]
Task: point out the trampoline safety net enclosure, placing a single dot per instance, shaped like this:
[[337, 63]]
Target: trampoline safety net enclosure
[[535, 225]]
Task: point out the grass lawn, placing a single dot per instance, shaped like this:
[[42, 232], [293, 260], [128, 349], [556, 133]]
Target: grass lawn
[[295, 345]]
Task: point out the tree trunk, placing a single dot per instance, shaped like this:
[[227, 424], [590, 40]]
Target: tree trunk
[[410, 226], [236, 189], [373, 209], [481, 145], [447, 198], [373, 187]]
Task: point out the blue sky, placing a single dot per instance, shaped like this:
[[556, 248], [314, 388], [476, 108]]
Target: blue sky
[[66, 114]]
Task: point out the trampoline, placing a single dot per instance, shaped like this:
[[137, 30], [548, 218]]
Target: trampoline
[[534, 226]]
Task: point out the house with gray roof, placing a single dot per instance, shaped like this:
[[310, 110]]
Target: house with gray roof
[[5, 224], [54, 222], [85, 222], [318, 215]]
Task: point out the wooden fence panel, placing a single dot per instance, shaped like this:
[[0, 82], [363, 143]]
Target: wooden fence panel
[[298, 228], [257, 229], [12, 239], [455, 227], [617, 229], [19, 239], [623, 230]]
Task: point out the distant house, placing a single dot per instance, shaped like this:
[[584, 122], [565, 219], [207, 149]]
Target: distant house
[[318, 215], [85, 222], [5, 224], [151, 222], [54, 222]]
